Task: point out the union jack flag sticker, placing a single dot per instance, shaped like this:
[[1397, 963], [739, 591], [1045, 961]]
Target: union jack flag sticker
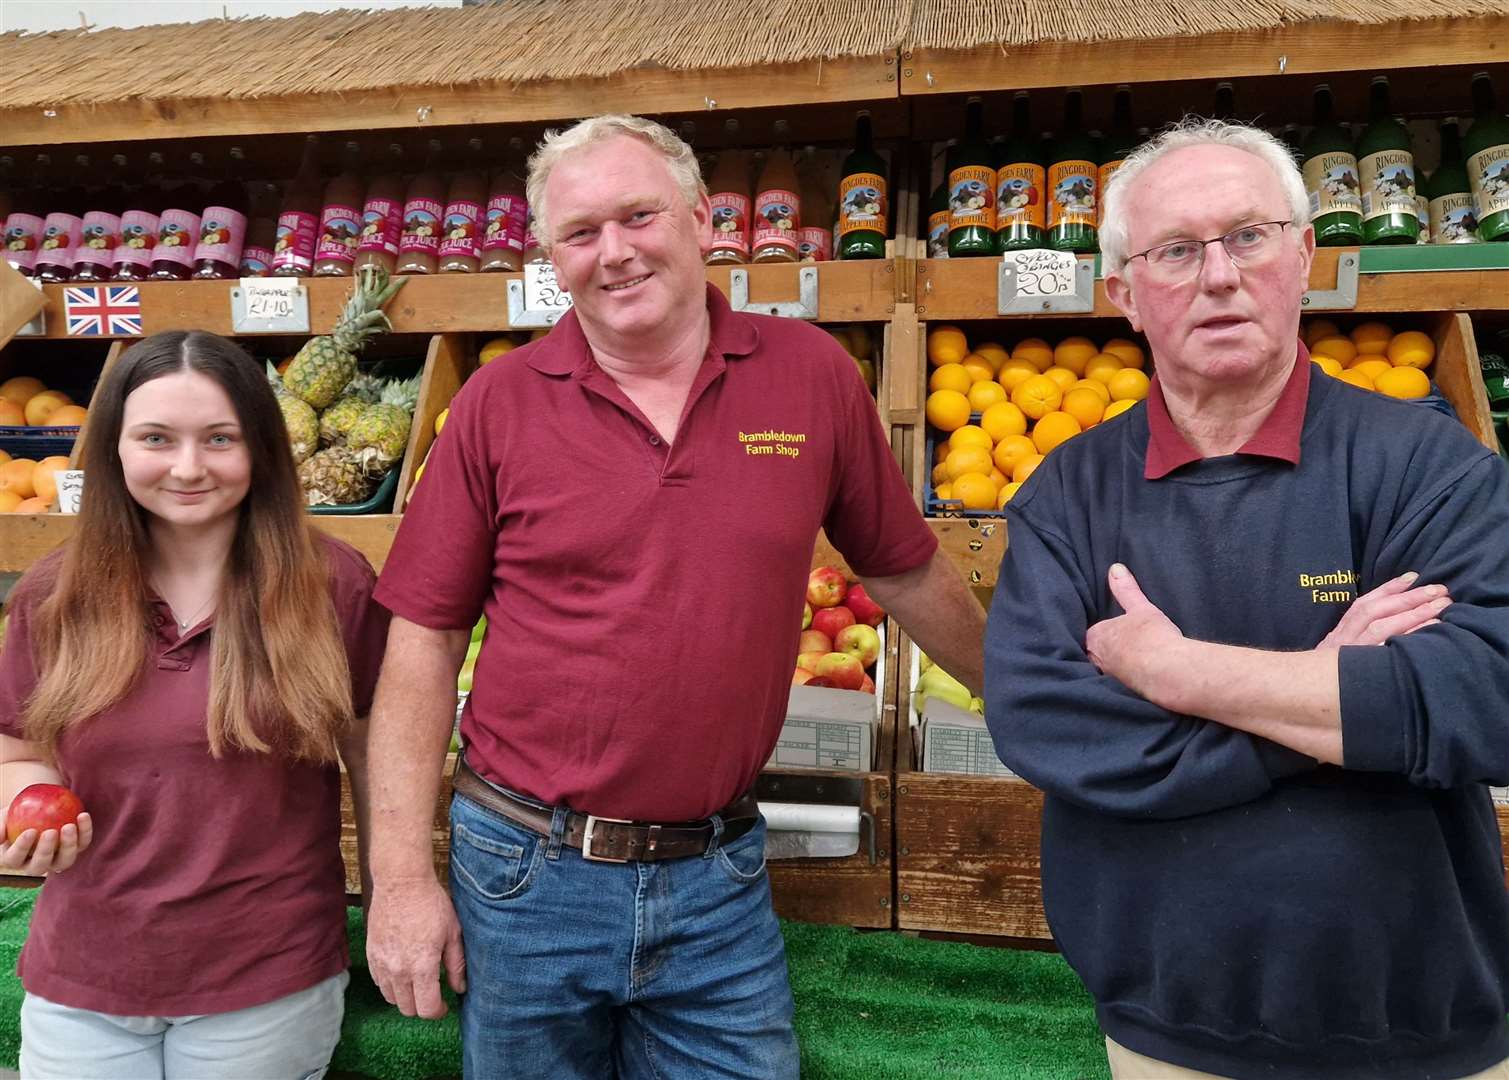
[[103, 310]]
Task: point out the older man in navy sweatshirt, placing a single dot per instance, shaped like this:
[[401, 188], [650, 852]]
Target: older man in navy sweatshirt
[[1251, 638]]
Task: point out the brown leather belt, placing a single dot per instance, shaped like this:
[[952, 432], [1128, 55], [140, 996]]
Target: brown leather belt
[[609, 839]]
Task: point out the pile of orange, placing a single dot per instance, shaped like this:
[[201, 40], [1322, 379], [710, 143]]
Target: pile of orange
[[29, 487], [1372, 356], [26, 402], [1029, 401]]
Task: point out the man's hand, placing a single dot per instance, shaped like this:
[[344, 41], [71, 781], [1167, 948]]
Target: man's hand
[[1132, 647], [1390, 609], [412, 929]]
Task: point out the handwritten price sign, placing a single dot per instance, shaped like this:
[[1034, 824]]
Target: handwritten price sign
[[1042, 272], [269, 306], [1040, 280], [542, 293], [70, 484]]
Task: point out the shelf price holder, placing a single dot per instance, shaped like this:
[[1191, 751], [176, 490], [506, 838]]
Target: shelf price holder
[[1042, 280], [803, 307], [269, 306], [537, 299]]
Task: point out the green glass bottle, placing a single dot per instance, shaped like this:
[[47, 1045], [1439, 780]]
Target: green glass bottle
[[1486, 150], [1225, 107], [1330, 170], [1121, 141], [862, 197], [1072, 176], [971, 189], [1386, 164], [1021, 182], [1453, 211]]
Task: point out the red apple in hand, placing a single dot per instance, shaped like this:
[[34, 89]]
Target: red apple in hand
[[859, 641], [865, 610], [814, 640], [41, 807], [844, 670], [826, 588], [832, 620]]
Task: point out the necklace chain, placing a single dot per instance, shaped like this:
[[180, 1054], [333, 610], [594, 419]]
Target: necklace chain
[[184, 624]]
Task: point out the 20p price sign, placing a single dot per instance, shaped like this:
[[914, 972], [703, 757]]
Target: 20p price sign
[[1041, 272]]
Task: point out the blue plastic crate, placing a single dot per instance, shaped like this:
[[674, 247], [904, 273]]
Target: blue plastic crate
[[381, 501], [37, 443]]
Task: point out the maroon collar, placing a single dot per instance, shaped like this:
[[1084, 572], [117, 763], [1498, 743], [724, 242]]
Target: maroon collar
[[564, 351], [1278, 437]]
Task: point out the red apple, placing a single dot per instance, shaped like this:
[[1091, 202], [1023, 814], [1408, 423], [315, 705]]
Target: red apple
[[801, 676], [844, 669], [868, 686], [859, 641], [826, 588], [809, 660], [865, 610], [806, 616], [814, 641], [41, 807], [832, 620], [822, 680]]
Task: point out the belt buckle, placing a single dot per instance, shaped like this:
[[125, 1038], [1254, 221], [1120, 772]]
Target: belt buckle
[[587, 853]]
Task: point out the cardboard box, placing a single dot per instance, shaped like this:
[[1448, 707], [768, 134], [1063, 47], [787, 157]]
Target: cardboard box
[[957, 741]]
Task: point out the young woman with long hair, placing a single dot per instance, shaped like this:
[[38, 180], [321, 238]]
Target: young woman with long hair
[[192, 663]]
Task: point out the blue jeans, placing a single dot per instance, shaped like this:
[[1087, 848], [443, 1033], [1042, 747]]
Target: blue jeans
[[578, 969]]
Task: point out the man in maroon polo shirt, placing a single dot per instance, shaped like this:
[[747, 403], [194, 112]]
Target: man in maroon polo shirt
[[632, 501]]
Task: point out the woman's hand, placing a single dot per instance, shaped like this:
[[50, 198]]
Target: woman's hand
[[50, 853]]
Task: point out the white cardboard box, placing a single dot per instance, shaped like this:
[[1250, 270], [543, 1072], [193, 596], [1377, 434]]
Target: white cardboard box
[[956, 740], [827, 729]]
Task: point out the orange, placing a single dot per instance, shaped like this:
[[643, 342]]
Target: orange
[[1090, 384], [30, 506], [1034, 350], [43, 405], [979, 368], [950, 377], [1403, 382], [941, 451], [11, 414], [943, 492], [44, 478], [21, 389], [1003, 419], [1411, 349], [1025, 468], [1063, 376], [1085, 405], [1336, 347], [994, 352], [1074, 353], [1372, 338], [1053, 430], [1038, 395], [1128, 352], [1319, 329], [1010, 452], [1330, 365], [15, 476], [1006, 493], [1128, 384], [1014, 372], [940, 473], [67, 416], [947, 409], [975, 491], [4, 457], [9, 500], [971, 459], [982, 395], [1102, 367], [1371, 368], [998, 478], [1116, 408], [946, 345], [1357, 378], [970, 435]]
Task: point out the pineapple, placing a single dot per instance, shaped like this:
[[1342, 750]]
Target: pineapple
[[334, 477], [300, 421], [365, 386], [336, 421], [325, 365], [381, 433]]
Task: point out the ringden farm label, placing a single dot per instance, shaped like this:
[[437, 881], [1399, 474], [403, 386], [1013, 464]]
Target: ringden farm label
[[1103, 177], [23, 235], [814, 243], [1072, 198], [1333, 184], [340, 229], [1488, 172], [382, 225], [505, 223], [459, 230], [1388, 183], [256, 262], [222, 231], [294, 246], [972, 198], [138, 238], [421, 226], [1454, 219], [1019, 195], [177, 236], [777, 219], [101, 232], [937, 235], [861, 204], [730, 222], [60, 235]]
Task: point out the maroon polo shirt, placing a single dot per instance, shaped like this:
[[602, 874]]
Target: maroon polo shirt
[[644, 600], [1277, 437], [212, 884]]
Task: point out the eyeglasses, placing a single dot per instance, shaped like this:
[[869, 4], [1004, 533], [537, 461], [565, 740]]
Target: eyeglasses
[[1250, 245]]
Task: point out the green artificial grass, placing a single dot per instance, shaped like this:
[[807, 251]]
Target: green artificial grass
[[869, 1006]]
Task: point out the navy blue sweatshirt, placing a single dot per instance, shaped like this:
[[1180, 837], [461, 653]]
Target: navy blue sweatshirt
[[1232, 905]]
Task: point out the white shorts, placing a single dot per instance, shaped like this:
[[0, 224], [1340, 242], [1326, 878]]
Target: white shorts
[[291, 1038]]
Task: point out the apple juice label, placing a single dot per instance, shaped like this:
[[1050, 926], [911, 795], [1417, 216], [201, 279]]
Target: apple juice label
[[340, 226], [421, 226], [458, 235], [294, 246], [861, 203], [1102, 178], [222, 231], [972, 197], [382, 225], [504, 227], [177, 233], [23, 236], [777, 219], [99, 235], [1072, 193], [1332, 180], [256, 262], [1488, 172], [1388, 183], [814, 243], [1454, 219], [138, 238], [730, 222], [937, 235], [1422, 214], [60, 235], [1019, 195]]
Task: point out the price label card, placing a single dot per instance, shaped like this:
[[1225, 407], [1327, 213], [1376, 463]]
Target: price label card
[[70, 490], [541, 290], [270, 306], [1041, 280], [1041, 272]]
